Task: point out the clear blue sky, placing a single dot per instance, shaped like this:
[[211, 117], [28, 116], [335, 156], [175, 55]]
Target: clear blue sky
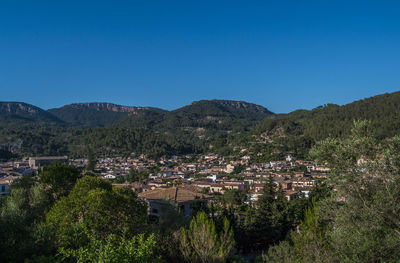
[[281, 54]]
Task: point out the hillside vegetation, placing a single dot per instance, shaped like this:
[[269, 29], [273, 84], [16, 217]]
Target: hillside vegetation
[[112, 129], [299, 130], [336, 121], [223, 126], [98, 114]]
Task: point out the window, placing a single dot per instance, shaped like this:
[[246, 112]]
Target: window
[[154, 211], [3, 188]]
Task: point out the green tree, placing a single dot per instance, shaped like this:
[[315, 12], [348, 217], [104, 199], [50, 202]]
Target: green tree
[[235, 197], [136, 176], [60, 178], [91, 161], [312, 243], [202, 243], [95, 205], [281, 253], [309, 243], [267, 222], [114, 249], [166, 228], [364, 212], [20, 215]]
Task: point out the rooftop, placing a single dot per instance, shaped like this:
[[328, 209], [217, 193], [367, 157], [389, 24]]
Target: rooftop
[[49, 158], [178, 194]]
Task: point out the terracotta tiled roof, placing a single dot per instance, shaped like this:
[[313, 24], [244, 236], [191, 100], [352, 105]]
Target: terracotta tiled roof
[[178, 194], [193, 188]]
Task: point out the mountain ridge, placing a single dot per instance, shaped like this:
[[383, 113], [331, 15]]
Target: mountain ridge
[[205, 114], [97, 114], [100, 106], [21, 111], [101, 114], [202, 126]]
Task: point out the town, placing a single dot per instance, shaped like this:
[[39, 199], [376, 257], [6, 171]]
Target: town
[[184, 179]]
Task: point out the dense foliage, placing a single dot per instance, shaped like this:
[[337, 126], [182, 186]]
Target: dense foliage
[[219, 126], [359, 222], [191, 129], [300, 129], [202, 243]]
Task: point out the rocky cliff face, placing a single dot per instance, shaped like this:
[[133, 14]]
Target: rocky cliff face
[[104, 106], [98, 114], [25, 111], [18, 107]]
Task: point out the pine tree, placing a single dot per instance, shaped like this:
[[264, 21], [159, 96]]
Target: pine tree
[[91, 161], [202, 243]]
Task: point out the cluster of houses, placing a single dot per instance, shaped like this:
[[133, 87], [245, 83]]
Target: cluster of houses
[[11, 171], [185, 179], [211, 175]]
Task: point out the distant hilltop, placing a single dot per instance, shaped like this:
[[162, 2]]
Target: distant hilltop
[[100, 114], [234, 104], [97, 114], [223, 126], [102, 106], [25, 113]]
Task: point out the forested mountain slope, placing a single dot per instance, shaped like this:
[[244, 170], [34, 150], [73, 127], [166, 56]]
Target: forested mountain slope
[[297, 131], [98, 114], [221, 115], [110, 129], [190, 129], [207, 125], [335, 121], [15, 114]]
